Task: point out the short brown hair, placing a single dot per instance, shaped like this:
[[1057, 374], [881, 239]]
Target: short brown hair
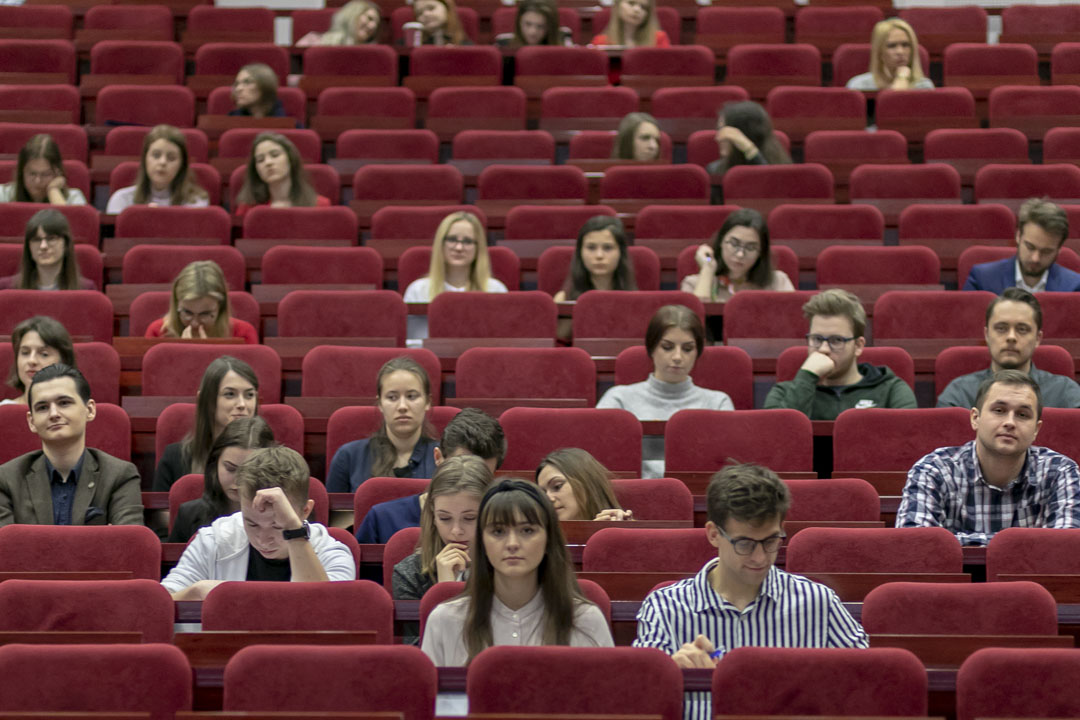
[[1019, 295], [838, 302], [271, 467], [749, 493], [1009, 377], [1046, 215], [674, 316]]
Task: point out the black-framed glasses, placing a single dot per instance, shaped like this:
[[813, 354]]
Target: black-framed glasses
[[746, 546], [836, 342], [737, 247], [465, 242]]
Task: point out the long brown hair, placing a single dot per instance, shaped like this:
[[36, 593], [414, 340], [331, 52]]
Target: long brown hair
[[383, 452], [257, 192], [184, 188], [462, 474], [589, 480], [51, 332], [250, 433], [199, 441], [755, 123], [52, 223], [39, 147]]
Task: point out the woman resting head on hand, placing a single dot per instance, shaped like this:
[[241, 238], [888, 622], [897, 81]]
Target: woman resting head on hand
[[738, 258], [894, 60], [39, 176], [579, 487]]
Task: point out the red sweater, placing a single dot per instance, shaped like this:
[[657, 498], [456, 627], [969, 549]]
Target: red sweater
[[240, 329]]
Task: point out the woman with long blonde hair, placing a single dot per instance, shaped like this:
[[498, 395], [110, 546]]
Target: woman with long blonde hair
[[894, 60], [199, 307], [633, 23]]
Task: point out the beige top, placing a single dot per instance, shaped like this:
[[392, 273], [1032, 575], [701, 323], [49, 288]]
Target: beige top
[[722, 292]]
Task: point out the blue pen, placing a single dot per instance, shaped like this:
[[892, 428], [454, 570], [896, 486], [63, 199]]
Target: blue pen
[[716, 654]]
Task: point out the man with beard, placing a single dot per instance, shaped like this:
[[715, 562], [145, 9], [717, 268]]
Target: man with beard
[[1013, 331]]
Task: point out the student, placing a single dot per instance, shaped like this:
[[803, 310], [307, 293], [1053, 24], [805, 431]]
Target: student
[[521, 588], [403, 445], [447, 526], [65, 482], [357, 22], [536, 23], [440, 22], [165, 178], [272, 521], [199, 307], [637, 138], [831, 380], [254, 92], [894, 60], [37, 343], [744, 135], [276, 177], [738, 258], [471, 432], [601, 262], [39, 176], [221, 496], [674, 340], [48, 257], [579, 487], [633, 23], [229, 390]]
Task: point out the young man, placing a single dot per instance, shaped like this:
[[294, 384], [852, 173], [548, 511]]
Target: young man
[[997, 480], [1013, 331], [1041, 230], [66, 483], [471, 432], [269, 539], [830, 381], [740, 598]]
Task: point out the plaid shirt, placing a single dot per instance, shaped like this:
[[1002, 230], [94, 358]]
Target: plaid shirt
[[946, 489]]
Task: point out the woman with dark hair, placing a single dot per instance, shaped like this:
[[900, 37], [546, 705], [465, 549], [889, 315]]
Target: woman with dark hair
[[637, 138], [579, 487], [48, 257], [521, 588], [601, 260], [37, 343], [744, 133], [254, 92], [229, 391], [220, 495], [737, 259], [440, 22], [536, 23], [165, 178], [404, 444], [276, 177], [39, 176], [674, 340]]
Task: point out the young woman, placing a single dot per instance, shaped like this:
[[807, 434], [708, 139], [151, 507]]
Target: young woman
[[536, 23], [440, 21], [358, 22], [164, 175], [633, 23], [48, 257], [254, 92], [220, 495], [276, 177], [737, 259], [601, 262], [894, 60], [521, 581], [674, 340], [37, 343], [199, 307], [229, 391], [744, 133], [579, 487], [637, 138], [39, 176], [404, 444], [447, 526]]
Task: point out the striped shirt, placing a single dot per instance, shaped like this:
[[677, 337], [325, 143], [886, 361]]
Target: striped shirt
[[947, 489], [790, 611]]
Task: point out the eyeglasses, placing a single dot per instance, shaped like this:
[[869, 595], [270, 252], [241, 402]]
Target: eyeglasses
[[836, 342], [737, 247], [51, 240], [204, 317], [746, 546], [464, 242], [47, 175]]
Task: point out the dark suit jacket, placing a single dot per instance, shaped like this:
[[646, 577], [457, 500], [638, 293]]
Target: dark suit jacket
[[1000, 274], [105, 482]]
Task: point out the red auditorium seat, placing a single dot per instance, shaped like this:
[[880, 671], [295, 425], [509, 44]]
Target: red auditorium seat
[[80, 548], [82, 312], [655, 550], [554, 265], [980, 67], [1011, 185], [177, 420], [564, 372], [142, 221], [891, 188], [1062, 145], [342, 313], [939, 27], [161, 263], [563, 183], [345, 108], [1065, 64], [631, 186], [566, 110], [339, 371], [209, 21], [902, 314], [1035, 110], [539, 67], [597, 144], [314, 223], [380, 489], [1032, 551], [418, 146], [683, 110], [401, 545], [704, 440], [719, 367], [995, 608], [809, 229], [176, 369], [147, 22], [874, 550], [40, 104], [839, 499], [799, 111], [1041, 27], [1042, 682], [911, 265], [612, 436], [331, 66], [71, 139], [285, 264], [721, 28], [453, 109], [896, 359], [760, 67], [432, 67], [764, 313], [915, 114], [1060, 308], [110, 432], [216, 63], [763, 187], [828, 28], [844, 150], [504, 145], [37, 21], [37, 62], [851, 59], [953, 362], [359, 421], [620, 314], [969, 150], [526, 314], [415, 262], [137, 57], [646, 69], [949, 229], [541, 222], [145, 105], [657, 498], [381, 185]]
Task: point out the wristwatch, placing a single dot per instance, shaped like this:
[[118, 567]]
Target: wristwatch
[[304, 532]]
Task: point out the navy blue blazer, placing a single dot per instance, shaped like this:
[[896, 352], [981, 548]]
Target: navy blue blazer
[[1000, 274]]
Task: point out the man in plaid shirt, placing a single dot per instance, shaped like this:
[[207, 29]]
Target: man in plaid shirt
[[998, 480]]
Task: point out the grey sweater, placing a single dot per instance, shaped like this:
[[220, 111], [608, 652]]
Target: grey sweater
[[655, 399]]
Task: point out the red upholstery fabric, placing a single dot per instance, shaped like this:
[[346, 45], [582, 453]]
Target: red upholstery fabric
[[896, 359], [1034, 110], [953, 362], [876, 550], [146, 105], [413, 144], [841, 150], [109, 432], [681, 222], [441, 592], [56, 18], [918, 182], [347, 539], [162, 263], [71, 548], [612, 436], [554, 265], [222, 58], [143, 221], [819, 681], [1012, 608], [442, 183], [631, 550], [762, 186], [389, 106], [890, 439], [415, 262], [354, 605], [294, 264], [540, 182], [577, 102], [1012, 61], [38, 56], [719, 367], [353, 423], [704, 440], [176, 368], [381, 489], [764, 313], [270, 223], [340, 371], [153, 678], [723, 27], [176, 420], [969, 149], [833, 499], [208, 19], [761, 67], [576, 680], [550, 60], [1013, 184], [349, 678], [800, 110], [655, 499], [517, 314], [152, 21], [979, 224], [886, 265], [187, 487], [59, 98], [526, 373], [683, 102], [599, 143], [1061, 144], [550, 222], [1065, 63], [665, 182], [342, 313], [830, 27], [151, 306], [1041, 683], [938, 27], [96, 606], [410, 222], [71, 139], [481, 61], [619, 314], [135, 57], [82, 312], [401, 545], [1033, 551], [480, 103], [902, 314], [914, 114], [372, 60], [1058, 431]]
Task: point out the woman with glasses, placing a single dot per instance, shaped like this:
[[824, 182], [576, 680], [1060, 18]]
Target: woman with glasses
[[199, 307], [39, 176], [737, 259], [48, 257]]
